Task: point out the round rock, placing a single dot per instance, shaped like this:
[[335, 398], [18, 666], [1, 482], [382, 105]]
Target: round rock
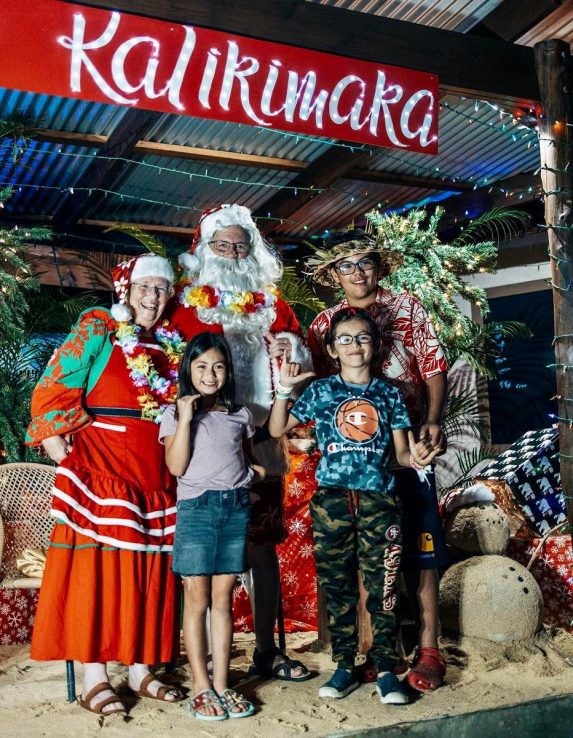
[[490, 597], [482, 528]]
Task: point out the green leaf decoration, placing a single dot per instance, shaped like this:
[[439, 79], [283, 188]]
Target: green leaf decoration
[[152, 244], [299, 295], [16, 276], [434, 272]]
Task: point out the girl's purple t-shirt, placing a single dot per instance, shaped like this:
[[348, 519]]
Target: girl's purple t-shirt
[[217, 457]]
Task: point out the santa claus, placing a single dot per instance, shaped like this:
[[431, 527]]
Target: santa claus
[[229, 287]]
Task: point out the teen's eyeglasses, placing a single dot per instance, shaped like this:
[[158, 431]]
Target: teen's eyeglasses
[[345, 339], [348, 267], [225, 247], [156, 289]]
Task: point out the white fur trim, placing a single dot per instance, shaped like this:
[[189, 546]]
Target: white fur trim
[[189, 262], [121, 313], [228, 215], [469, 496], [151, 265], [299, 352]]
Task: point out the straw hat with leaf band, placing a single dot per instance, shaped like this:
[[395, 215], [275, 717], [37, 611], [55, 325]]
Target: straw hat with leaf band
[[341, 245]]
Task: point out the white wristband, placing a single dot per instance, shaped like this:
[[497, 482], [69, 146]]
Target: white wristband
[[282, 391]]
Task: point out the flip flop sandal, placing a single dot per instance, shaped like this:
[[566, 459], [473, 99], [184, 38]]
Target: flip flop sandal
[[207, 698], [428, 671], [85, 702], [263, 665], [229, 699], [162, 692]]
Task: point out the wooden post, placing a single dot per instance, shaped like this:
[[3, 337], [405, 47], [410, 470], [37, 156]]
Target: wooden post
[[555, 74]]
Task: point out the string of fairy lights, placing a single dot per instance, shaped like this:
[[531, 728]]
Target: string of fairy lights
[[504, 123]]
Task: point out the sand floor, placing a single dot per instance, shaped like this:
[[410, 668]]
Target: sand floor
[[480, 675]]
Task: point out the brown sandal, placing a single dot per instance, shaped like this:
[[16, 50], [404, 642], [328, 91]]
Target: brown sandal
[[428, 671], [85, 702], [162, 692]]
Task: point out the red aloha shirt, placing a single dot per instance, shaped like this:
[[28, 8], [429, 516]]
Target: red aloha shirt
[[407, 355]]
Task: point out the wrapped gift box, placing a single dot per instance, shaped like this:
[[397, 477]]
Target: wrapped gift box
[[17, 612], [552, 568], [530, 467], [295, 554]]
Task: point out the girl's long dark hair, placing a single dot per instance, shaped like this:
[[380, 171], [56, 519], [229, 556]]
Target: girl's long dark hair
[[198, 345]]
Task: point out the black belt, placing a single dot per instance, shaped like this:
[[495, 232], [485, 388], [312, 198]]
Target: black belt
[[121, 412]]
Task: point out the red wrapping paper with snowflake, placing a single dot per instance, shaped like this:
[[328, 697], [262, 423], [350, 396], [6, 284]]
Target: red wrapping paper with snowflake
[[296, 554], [17, 612], [552, 569]]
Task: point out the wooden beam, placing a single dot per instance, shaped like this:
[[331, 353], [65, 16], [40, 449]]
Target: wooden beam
[[102, 172], [465, 64], [410, 180], [512, 18], [555, 69], [326, 169], [153, 148]]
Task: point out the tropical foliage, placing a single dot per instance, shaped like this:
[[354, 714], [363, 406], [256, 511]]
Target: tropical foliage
[[437, 273]]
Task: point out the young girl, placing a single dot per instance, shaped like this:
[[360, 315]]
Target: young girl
[[208, 447], [360, 422]]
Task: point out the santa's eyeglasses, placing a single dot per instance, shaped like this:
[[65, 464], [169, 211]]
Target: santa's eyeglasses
[[225, 247]]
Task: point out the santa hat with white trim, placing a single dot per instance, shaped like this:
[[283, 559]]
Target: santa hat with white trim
[[140, 267]]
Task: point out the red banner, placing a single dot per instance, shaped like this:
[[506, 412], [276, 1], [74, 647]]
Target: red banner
[[60, 48]]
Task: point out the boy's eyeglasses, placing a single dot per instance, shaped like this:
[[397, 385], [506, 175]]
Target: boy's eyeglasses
[[348, 267], [225, 247], [157, 289], [345, 339]]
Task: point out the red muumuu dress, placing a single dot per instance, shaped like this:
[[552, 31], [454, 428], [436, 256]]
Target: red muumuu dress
[[108, 593]]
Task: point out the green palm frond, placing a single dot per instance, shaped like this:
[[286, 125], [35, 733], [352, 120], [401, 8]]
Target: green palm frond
[[465, 411], [480, 345], [436, 273], [498, 224], [296, 291], [152, 244], [467, 461], [51, 311], [299, 295]]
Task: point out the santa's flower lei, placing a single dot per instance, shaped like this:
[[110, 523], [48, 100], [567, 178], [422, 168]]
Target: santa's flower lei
[[205, 296], [156, 392]]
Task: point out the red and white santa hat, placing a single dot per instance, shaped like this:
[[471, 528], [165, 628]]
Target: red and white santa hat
[[211, 221], [140, 267]]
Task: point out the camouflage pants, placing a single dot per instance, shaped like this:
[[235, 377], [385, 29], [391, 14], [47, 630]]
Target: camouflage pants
[[358, 530]]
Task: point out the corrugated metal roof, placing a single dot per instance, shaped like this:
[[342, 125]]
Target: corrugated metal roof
[[558, 24], [479, 147], [451, 15]]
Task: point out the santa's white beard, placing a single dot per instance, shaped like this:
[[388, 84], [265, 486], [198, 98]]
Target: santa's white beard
[[236, 275]]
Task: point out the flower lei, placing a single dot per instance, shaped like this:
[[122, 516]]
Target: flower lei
[[205, 296], [156, 393]]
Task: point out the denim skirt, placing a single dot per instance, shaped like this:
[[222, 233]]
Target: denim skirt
[[211, 533]]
